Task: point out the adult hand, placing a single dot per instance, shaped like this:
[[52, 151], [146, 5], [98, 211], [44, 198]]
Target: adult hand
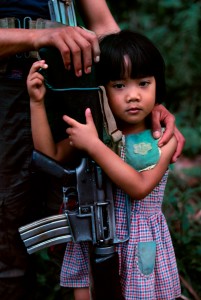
[[78, 46], [161, 116]]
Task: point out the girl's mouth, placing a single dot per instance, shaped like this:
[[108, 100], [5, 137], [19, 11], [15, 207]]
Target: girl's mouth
[[133, 110]]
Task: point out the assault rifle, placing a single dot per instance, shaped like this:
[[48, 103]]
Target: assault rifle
[[88, 215]]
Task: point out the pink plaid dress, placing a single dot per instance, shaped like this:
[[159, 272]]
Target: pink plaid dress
[[148, 268]]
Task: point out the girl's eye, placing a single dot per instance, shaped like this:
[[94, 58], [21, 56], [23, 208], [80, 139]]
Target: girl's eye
[[144, 83], [118, 85]]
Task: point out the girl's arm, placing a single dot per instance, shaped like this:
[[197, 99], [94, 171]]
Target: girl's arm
[[136, 184], [41, 132]]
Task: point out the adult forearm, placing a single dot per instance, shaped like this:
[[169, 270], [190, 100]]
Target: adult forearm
[[15, 40]]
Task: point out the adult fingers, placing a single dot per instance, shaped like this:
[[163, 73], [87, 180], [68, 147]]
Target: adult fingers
[[180, 144], [162, 117], [169, 124], [156, 125], [92, 38], [79, 47]]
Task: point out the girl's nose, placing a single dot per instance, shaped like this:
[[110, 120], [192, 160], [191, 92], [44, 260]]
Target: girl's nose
[[133, 95]]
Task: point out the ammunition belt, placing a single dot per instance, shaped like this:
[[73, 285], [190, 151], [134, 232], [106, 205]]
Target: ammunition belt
[[28, 23]]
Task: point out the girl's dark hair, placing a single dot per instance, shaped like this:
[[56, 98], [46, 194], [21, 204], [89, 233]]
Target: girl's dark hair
[[145, 59]]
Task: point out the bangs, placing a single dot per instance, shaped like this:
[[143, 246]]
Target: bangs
[[139, 65], [144, 59]]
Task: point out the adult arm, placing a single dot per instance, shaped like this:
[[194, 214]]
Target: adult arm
[[71, 41], [75, 44]]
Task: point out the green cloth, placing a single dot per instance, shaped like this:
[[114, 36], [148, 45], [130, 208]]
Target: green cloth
[[146, 257], [142, 151]]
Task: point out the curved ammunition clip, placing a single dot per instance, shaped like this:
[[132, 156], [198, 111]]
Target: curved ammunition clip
[[45, 233]]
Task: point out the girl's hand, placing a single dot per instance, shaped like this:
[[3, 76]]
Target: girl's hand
[[35, 82], [82, 136]]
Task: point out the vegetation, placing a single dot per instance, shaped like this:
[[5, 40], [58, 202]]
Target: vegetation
[[175, 27]]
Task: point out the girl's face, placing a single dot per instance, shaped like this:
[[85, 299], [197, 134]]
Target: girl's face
[[131, 101]]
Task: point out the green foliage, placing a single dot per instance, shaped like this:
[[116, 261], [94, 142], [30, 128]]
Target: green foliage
[[181, 208], [47, 285], [48, 273]]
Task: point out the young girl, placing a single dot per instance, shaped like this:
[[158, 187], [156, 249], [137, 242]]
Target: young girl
[[132, 72]]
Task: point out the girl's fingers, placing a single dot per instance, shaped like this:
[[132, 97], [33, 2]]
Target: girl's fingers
[[73, 123], [88, 116], [70, 121], [37, 65]]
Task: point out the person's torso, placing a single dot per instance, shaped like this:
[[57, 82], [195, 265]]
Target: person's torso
[[20, 9]]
